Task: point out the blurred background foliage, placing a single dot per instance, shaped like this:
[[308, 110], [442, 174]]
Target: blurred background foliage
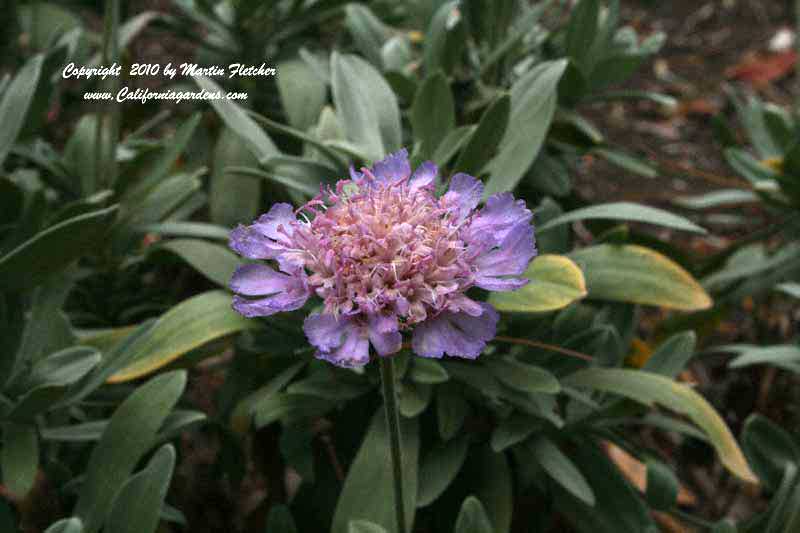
[[132, 398]]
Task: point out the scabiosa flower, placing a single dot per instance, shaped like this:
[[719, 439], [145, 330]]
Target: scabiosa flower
[[386, 256]]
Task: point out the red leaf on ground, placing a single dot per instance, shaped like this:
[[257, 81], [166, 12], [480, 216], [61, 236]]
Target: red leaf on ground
[[760, 69]]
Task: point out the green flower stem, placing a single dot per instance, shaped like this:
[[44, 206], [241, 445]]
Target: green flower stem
[[393, 423]]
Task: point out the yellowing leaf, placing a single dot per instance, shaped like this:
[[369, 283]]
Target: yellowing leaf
[[634, 274], [649, 389], [186, 326], [555, 282]]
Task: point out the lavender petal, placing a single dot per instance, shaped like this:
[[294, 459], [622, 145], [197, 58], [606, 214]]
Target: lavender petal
[[393, 168], [499, 216], [511, 258], [259, 280], [463, 195], [424, 176], [384, 334], [455, 334]]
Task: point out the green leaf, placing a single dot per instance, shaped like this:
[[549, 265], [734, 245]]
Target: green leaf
[[427, 371], [523, 376], [671, 357], [35, 402], [164, 199], [232, 199], [561, 469], [368, 31], [476, 377], [50, 378], [366, 105], [451, 144], [322, 386], [627, 162], [81, 152], [533, 103], [444, 39], [781, 355], [615, 69], [137, 507], [626, 211], [186, 326], [522, 26], [769, 448], [363, 526], [403, 85], [15, 102], [512, 430], [439, 468], [134, 25], [293, 184], [555, 282], [556, 240], [618, 506], [19, 457], [280, 520], [752, 262], [289, 406], [433, 114], [582, 32], [243, 412], [46, 23], [750, 168], [751, 115], [573, 128], [550, 175], [43, 330], [414, 399], [304, 173], [12, 200], [649, 389], [472, 517], [483, 143], [634, 274], [171, 514], [396, 55], [451, 410], [165, 160], [302, 92], [64, 367], [367, 493], [257, 141], [53, 249], [114, 344], [175, 422], [8, 518], [662, 486], [129, 435], [720, 198], [784, 516], [81, 207], [321, 144], [724, 526], [66, 525], [198, 230], [792, 289], [492, 480], [664, 101], [215, 262]]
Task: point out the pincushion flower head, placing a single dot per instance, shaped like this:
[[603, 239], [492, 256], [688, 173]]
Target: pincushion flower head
[[387, 257]]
